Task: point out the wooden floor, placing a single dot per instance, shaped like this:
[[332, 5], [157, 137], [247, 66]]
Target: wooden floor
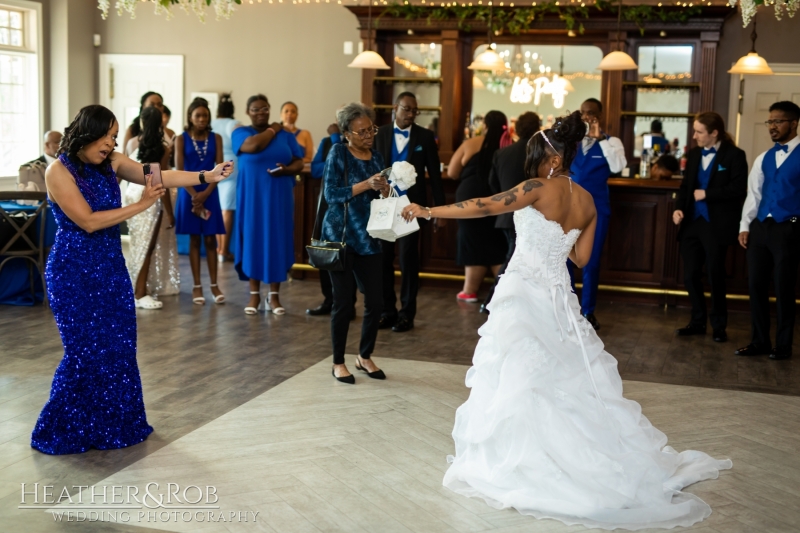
[[199, 363]]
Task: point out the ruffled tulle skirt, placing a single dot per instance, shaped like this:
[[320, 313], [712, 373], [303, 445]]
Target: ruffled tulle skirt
[[534, 436]]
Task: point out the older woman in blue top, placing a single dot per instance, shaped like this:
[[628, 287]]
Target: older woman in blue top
[[263, 244], [352, 180]]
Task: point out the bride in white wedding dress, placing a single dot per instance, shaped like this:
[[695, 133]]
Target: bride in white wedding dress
[[546, 429]]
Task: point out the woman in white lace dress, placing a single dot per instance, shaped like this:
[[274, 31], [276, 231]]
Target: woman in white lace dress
[[546, 429], [153, 254]]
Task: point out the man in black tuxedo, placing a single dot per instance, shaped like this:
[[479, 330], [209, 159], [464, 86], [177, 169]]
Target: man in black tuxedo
[[508, 171], [403, 140], [33, 171], [709, 206]]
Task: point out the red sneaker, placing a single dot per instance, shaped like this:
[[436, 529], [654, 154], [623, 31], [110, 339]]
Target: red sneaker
[[464, 297]]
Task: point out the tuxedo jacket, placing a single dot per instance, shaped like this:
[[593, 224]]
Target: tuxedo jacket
[[423, 153], [725, 194], [508, 171]]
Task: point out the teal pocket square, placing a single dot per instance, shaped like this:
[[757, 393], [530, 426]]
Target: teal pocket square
[[418, 148], [720, 168]]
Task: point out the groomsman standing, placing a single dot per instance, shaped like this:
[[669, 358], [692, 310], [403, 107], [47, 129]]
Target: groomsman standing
[[770, 230], [598, 157], [403, 140], [709, 206]]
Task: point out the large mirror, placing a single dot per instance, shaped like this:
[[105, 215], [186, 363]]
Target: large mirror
[[665, 74], [418, 67], [549, 80]]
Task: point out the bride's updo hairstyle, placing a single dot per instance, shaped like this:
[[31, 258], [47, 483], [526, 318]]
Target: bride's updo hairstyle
[[90, 124], [564, 136]]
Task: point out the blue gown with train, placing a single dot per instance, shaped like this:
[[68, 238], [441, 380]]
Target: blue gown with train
[[96, 398]]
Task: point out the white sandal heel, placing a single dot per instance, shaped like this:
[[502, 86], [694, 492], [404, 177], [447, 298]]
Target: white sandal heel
[[219, 299], [199, 300], [277, 310], [252, 310]]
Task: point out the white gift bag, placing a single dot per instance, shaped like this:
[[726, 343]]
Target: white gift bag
[[385, 220]]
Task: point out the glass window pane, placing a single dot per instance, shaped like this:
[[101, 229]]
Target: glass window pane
[[3, 17], [16, 38], [16, 20], [423, 61], [17, 64], [17, 99], [658, 64], [4, 36], [5, 69], [5, 98]]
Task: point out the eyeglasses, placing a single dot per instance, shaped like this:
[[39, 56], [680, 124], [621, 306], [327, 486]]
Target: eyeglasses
[[413, 110], [255, 111], [366, 133], [776, 122]]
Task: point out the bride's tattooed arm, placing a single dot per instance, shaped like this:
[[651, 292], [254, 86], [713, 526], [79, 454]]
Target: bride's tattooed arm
[[520, 196]]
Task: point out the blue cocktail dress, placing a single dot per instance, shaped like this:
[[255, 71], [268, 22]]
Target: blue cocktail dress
[[96, 398], [186, 222]]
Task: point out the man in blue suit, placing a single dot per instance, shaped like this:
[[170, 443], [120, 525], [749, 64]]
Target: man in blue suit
[[599, 156]]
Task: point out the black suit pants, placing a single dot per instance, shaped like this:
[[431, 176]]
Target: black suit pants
[[773, 250], [366, 269], [408, 250], [511, 237], [701, 246]]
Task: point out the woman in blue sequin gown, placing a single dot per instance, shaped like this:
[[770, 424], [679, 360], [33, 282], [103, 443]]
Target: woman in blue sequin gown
[[96, 398]]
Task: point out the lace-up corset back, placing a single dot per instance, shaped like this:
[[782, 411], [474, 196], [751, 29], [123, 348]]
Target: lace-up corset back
[[542, 248]]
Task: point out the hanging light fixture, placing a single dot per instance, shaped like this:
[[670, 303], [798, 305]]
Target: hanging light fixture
[[489, 59], [752, 63], [369, 59], [618, 60], [653, 78], [567, 85]]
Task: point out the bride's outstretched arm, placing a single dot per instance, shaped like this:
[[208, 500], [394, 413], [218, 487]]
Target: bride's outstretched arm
[[523, 195]]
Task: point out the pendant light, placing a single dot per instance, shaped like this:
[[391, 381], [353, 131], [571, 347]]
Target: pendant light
[[653, 78], [752, 63], [567, 85], [618, 60], [369, 59], [489, 60]]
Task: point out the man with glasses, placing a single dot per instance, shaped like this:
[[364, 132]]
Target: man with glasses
[[770, 231], [403, 140]]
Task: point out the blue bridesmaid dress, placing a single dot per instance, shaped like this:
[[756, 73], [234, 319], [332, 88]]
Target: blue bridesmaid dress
[[96, 398], [263, 241], [186, 222]]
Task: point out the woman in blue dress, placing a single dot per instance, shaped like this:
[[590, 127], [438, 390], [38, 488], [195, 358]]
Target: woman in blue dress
[[269, 158], [96, 398], [198, 212], [224, 125]]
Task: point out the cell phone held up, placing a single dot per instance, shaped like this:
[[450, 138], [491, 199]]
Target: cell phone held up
[[155, 170]]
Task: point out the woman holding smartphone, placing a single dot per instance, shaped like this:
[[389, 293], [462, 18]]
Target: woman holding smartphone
[[263, 244], [199, 213], [96, 398], [153, 259]]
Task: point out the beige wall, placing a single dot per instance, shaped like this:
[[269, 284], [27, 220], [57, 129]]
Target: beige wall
[[284, 51]]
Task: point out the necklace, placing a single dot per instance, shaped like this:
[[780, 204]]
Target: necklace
[[201, 152]]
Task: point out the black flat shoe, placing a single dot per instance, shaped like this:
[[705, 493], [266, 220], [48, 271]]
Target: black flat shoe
[[751, 350], [781, 354], [378, 374], [483, 310], [691, 329], [324, 309], [350, 380], [386, 322], [403, 324], [720, 336], [592, 320]]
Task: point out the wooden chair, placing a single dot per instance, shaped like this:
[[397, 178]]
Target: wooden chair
[[34, 250]]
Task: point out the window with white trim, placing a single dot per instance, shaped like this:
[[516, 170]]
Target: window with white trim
[[20, 128]]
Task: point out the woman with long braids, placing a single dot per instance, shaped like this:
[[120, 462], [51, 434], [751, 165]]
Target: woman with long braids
[[481, 246], [153, 257], [546, 429], [96, 398]]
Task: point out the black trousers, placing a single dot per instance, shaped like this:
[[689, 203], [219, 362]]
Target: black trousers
[[327, 288], [773, 248], [366, 271], [700, 246], [408, 250], [511, 237]]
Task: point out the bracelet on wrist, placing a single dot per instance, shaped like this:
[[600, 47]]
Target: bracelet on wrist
[[429, 213]]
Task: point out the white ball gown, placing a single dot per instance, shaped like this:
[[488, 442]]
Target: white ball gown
[[546, 429]]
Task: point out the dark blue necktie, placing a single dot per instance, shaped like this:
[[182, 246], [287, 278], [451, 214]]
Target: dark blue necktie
[[782, 147], [711, 150], [404, 133]]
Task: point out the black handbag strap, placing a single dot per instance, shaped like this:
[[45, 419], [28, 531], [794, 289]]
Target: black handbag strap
[[317, 231]]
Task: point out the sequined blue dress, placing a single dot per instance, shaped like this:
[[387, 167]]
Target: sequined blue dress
[[96, 398]]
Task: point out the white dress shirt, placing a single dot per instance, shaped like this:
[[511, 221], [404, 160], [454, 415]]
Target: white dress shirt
[[612, 149], [401, 141], [50, 160], [707, 159], [756, 180]]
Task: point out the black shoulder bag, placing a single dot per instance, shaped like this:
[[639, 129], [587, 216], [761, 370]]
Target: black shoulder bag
[[326, 255]]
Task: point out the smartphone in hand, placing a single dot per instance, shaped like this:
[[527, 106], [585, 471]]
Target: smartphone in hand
[[155, 170], [274, 170]]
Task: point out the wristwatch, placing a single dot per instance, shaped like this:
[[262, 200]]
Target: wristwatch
[[202, 176], [429, 213]]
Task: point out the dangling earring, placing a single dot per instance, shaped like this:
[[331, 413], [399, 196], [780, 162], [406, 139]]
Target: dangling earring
[[551, 173]]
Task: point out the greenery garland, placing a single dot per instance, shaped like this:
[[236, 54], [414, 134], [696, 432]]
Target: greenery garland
[[521, 18]]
